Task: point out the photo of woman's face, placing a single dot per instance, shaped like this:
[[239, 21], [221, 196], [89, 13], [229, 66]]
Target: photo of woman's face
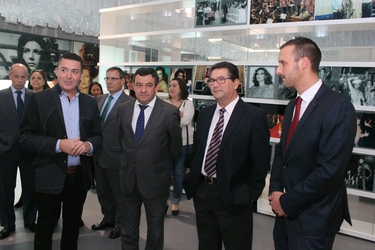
[[85, 80], [31, 54], [160, 74], [260, 75]]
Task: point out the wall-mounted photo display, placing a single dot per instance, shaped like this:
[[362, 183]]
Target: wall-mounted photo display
[[218, 13], [201, 104], [283, 92], [163, 78], [278, 11], [33, 51], [356, 83], [182, 73], [343, 9], [262, 83], [201, 74], [275, 117], [360, 172], [365, 136]]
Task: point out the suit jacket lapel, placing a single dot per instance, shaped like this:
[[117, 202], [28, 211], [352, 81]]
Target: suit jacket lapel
[[313, 104], [112, 115], [155, 114], [56, 93], [101, 102], [11, 103], [232, 123]]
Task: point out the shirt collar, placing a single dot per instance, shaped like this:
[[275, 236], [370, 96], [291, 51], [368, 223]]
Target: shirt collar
[[229, 108], [14, 90], [117, 94], [309, 94], [150, 104]]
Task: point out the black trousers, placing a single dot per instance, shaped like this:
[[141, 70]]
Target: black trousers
[[216, 226], [72, 198], [285, 238], [131, 214]]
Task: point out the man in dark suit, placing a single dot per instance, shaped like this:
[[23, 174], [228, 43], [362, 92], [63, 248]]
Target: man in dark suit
[[307, 187], [107, 159], [61, 126], [150, 134], [229, 168], [13, 101]]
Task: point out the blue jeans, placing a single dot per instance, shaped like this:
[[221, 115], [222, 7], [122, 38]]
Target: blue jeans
[[177, 168]]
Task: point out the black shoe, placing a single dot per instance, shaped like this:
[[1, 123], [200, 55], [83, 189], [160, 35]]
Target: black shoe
[[5, 232], [174, 211], [101, 225], [31, 227], [19, 204], [81, 223], [115, 233]]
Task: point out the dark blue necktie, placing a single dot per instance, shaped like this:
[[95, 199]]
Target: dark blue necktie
[[19, 103], [140, 127]]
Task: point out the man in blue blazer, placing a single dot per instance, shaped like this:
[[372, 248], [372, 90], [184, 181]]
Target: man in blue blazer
[[307, 188], [225, 190]]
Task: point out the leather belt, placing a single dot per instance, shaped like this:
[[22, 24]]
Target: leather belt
[[73, 169], [208, 180]]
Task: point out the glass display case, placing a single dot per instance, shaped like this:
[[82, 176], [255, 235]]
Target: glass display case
[[164, 33]]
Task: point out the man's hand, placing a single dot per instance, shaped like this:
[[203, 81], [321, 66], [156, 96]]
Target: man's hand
[[274, 199], [74, 147]]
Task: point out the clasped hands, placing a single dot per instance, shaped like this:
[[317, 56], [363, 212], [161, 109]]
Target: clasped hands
[[74, 147], [274, 200]]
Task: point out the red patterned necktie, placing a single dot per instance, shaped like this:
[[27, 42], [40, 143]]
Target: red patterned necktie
[[213, 149], [295, 120]]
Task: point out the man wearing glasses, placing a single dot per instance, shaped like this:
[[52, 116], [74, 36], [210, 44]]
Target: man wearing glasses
[[107, 160], [232, 156]]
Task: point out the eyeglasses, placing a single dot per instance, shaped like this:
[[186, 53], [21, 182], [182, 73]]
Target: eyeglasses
[[219, 80], [112, 78]]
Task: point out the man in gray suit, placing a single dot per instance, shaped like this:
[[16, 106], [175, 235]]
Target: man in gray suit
[[107, 160], [13, 102], [150, 134]]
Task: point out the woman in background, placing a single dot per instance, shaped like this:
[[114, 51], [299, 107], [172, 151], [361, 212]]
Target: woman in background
[[263, 85], [38, 81], [95, 89], [178, 96]]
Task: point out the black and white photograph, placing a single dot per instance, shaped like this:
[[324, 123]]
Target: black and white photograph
[[278, 11], [285, 93], [360, 172], [365, 136], [344, 9], [217, 13], [261, 83], [356, 83]]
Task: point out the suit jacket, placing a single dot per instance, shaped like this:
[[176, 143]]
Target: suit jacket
[[147, 163], [41, 128], [109, 155], [311, 171], [9, 126], [243, 158]]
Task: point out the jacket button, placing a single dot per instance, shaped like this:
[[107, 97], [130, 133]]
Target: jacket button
[[284, 167]]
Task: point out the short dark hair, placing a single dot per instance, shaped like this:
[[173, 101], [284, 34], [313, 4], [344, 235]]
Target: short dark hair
[[305, 47], [145, 72], [92, 85], [232, 69], [71, 56], [184, 93], [120, 71]]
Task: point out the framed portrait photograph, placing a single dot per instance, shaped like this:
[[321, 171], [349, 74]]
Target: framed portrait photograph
[[261, 82], [360, 172]]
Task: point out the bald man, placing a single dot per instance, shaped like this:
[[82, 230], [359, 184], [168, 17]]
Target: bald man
[[13, 102]]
